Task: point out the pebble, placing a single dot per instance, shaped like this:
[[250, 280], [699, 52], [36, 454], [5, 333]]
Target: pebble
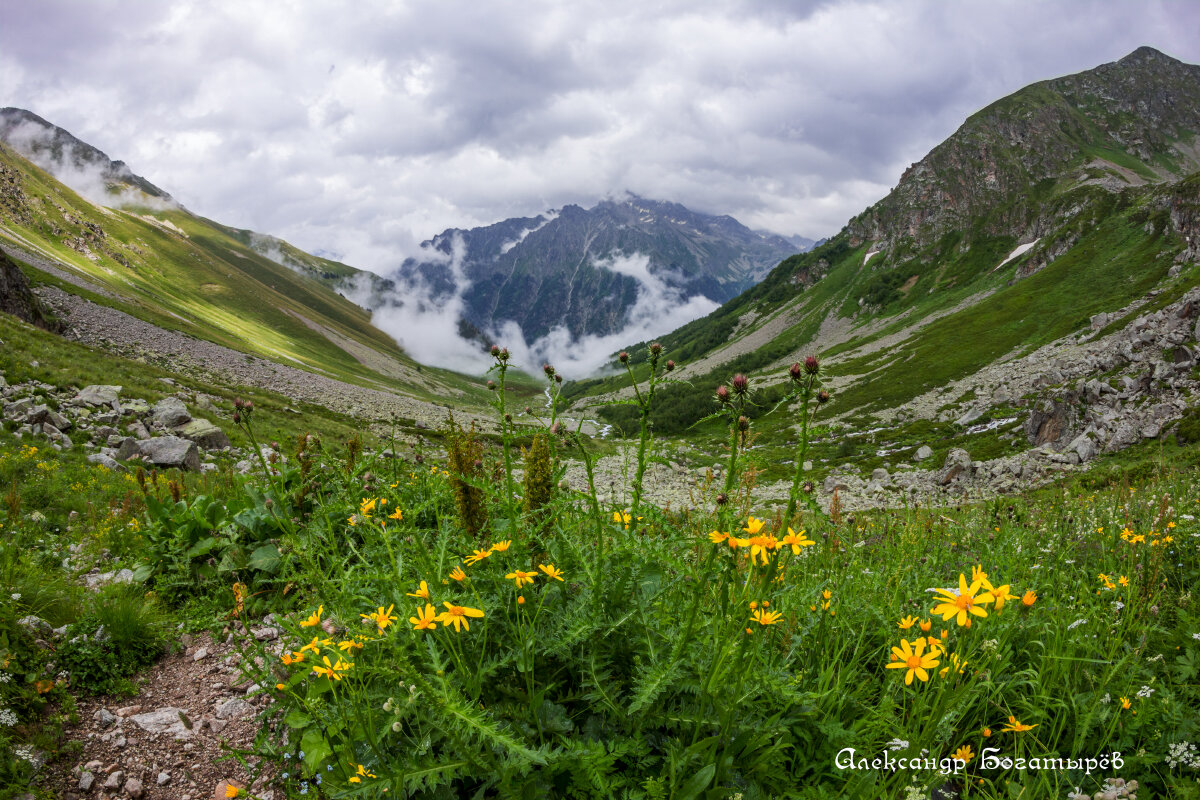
[[200, 654], [163, 778]]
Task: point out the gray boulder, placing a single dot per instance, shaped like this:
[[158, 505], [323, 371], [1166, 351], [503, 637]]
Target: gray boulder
[[18, 409], [923, 452], [1083, 446], [171, 451], [204, 433], [128, 449], [958, 464], [164, 720], [170, 412], [97, 395], [105, 461], [37, 414], [136, 407]]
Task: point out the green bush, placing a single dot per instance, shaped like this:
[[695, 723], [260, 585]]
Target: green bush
[[123, 632]]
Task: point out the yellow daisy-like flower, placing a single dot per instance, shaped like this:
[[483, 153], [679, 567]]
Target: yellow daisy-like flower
[[477, 556], [422, 592], [294, 657], [764, 617], [1016, 727], [365, 507], [956, 664], [551, 571], [1029, 598], [331, 670], [315, 619], [349, 645], [966, 602], [907, 623], [457, 615], [1001, 595], [977, 574], [232, 791], [396, 515], [796, 541], [500, 547], [753, 526], [716, 537], [316, 644], [361, 773], [521, 577], [913, 659], [352, 520], [382, 618], [925, 625], [426, 618], [457, 574], [762, 546], [1123, 581], [964, 753], [623, 518]]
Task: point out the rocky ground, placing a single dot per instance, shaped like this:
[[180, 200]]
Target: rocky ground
[[174, 739]]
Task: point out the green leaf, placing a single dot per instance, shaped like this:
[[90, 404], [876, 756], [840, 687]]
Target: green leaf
[[698, 783], [297, 719], [202, 547], [265, 558], [315, 748]]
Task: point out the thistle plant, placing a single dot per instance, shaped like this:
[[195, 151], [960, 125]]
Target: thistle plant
[[643, 397], [500, 368], [804, 380]]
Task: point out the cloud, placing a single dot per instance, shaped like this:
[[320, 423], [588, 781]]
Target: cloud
[[366, 131]]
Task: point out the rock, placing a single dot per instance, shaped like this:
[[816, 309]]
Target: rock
[[1099, 321], [129, 448], [18, 409], [137, 430], [170, 412], [164, 720], [133, 788], [63, 424], [115, 779], [834, 483], [265, 633], [39, 413], [234, 708], [135, 407], [958, 463], [205, 434], [200, 654], [1084, 447], [879, 474], [163, 779], [35, 625], [1151, 430], [1049, 421], [171, 451], [217, 725], [104, 717], [86, 779], [923, 452], [969, 417], [1123, 436], [97, 395]]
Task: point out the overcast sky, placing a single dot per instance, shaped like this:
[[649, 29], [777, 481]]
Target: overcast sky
[[363, 128]]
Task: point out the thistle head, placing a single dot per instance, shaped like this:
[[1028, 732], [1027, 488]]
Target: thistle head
[[549, 370], [723, 394], [655, 349], [495, 351], [623, 357], [740, 384], [722, 499], [670, 365], [795, 371], [743, 423], [823, 396], [491, 386], [811, 365], [558, 378]]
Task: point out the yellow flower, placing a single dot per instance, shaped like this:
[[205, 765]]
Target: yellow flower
[[315, 644], [365, 507], [551, 571], [315, 619], [925, 625], [294, 657], [457, 615], [362, 771], [761, 546], [966, 602], [1125, 704], [796, 541], [716, 537], [331, 670], [349, 645], [964, 753], [231, 790], [1002, 595], [477, 556], [1123, 581], [977, 574], [828, 595], [458, 574], [907, 623], [352, 519], [986, 732], [426, 618], [955, 663], [382, 618], [396, 515], [521, 577], [1017, 727], [909, 658], [500, 547], [280, 686], [1029, 598], [623, 518], [422, 592], [764, 617], [753, 526]]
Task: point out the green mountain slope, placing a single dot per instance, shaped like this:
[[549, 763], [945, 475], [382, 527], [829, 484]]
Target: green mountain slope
[[157, 261]]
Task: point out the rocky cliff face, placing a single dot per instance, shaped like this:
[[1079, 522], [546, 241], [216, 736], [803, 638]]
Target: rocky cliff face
[[1122, 124], [17, 299], [583, 268]]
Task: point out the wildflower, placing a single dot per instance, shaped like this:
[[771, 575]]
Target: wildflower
[[1017, 727], [331, 670], [44, 686], [396, 515], [293, 658], [457, 616], [753, 526], [477, 556], [1125, 704], [551, 571], [352, 520], [1029, 598], [521, 577], [977, 574], [360, 774], [764, 617], [365, 507], [623, 518], [457, 574], [425, 620], [796, 541], [957, 664], [280, 686], [500, 547], [520, 600], [966, 602], [986, 732], [422, 592], [1145, 692], [908, 658], [313, 620], [761, 546], [1002, 596], [231, 790], [925, 625], [349, 645], [964, 753], [1123, 581], [315, 644], [907, 623], [382, 618], [716, 537], [1076, 623]]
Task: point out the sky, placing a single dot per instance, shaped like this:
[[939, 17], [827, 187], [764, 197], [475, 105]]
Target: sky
[[361, 129]]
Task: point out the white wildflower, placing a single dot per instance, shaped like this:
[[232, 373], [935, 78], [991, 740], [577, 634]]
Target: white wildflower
[[7, 717], [16, 596], [897, 744], [1076, 623], [1117, 605], [1145, 692], [1106, 699], [1183, 754]]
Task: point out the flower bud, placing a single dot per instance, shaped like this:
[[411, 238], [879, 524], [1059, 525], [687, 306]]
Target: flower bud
[[508, 417], [477, 464], [723, 394], [655, 349], [722, 499], [528, 410], [558, 429], [740, 384], [623, 357], [237, 418], [823, 396], [670, 365], [549, 370], [808, 487], [491, 386], [743, 424], [795, 372], [237, 403], [495, 351], [811, 365], [558, 378], [420, 459]]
